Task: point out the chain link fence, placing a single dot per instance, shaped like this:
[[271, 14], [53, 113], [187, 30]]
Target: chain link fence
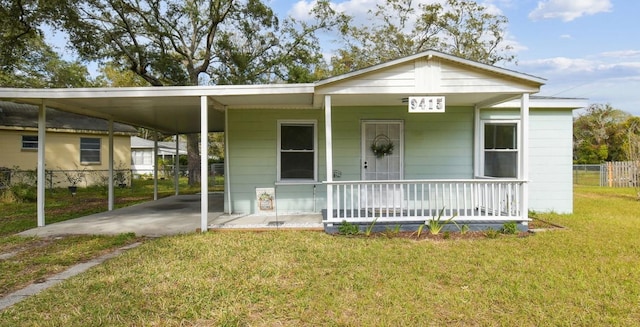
[[85, 177], [588, 175]]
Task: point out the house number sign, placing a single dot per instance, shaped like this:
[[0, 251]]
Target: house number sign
[[426, 104]]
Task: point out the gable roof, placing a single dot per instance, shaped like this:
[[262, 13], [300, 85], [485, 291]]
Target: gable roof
[[429, 54], [463, 82], [25, 116]]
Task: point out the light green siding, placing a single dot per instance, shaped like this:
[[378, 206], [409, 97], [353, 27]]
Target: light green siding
[[436, 146], [550, 157], [252, 137], [550, 165]]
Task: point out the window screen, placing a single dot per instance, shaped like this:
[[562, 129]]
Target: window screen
[[89, 150], [297, 151], [30, 142], [500, 150]]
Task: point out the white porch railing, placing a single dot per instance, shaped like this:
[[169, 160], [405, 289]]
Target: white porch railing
[[420, 200]]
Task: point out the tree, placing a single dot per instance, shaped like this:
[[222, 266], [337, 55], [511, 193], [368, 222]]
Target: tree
[[41, 67], [599, 135], [195, 42], [399, 28]]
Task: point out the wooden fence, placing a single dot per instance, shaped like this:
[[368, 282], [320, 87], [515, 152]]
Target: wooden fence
[[620, 174]]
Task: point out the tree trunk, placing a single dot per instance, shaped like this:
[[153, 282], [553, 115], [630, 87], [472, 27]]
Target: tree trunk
[[193, 155]]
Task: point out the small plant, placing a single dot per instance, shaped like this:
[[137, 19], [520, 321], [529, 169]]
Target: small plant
[[464, 229], [491, 233], [347, 228], [120, 175], [392, 232], [369, 229], [446, 235], [509, 228], [74, 176], [419, 231], [436, 224]]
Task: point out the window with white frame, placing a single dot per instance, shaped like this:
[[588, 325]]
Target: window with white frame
[[500, 151], [89, 150], [297, 144], [29, 142], [142, 157]]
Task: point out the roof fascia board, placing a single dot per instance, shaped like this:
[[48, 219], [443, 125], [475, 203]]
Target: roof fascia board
[[165, 91], [547, 102]]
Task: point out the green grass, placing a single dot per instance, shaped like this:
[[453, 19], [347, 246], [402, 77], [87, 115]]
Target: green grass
[[36, 259], [586, 275], [586, 178], [60, 205]]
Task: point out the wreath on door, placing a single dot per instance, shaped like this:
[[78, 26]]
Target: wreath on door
[[382, 146]]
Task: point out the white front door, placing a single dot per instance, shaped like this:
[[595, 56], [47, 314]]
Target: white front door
[[382, 159]]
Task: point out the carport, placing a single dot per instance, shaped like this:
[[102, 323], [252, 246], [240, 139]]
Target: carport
[[169, 110]]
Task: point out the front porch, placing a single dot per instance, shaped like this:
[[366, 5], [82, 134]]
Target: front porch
[[474, 202]]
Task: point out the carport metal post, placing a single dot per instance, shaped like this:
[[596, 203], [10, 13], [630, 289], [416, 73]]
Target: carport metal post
[[42, 128], [176, 166], [204, 176], [110, 173], [155, 165]]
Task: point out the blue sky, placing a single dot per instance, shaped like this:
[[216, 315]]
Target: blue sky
[[584, 48]]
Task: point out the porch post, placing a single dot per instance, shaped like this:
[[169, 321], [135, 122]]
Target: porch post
[[227, 162], [110, 165], [476, 141], [155, 165], [524, 153], [176, 167], [329, 154], [204, 176], [42, 127]]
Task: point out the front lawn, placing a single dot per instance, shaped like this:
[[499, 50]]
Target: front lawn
[[587, 274]]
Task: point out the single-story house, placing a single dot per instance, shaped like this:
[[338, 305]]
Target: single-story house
[[392, 143], [74, 142], [142, 154]]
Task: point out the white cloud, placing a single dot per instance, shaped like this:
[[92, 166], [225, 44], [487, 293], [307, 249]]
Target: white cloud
[[564, 74], [568, 10], [622, 54], [565, 36]]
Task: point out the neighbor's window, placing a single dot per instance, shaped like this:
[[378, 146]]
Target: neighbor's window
[[297, 151], [29, 142], [89, 150], [141, 157], [501, 149]]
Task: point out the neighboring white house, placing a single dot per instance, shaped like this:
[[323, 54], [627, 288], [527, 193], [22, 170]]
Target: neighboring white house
[[393, 143], [142, 154]]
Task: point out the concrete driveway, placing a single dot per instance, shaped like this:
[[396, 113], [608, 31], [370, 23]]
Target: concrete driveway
[[167, 216], [173, 215]]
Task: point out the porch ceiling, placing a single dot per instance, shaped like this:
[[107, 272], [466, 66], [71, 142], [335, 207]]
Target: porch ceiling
[[167, 109]]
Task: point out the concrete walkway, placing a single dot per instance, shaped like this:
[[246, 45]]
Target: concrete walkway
[[170, 216]]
